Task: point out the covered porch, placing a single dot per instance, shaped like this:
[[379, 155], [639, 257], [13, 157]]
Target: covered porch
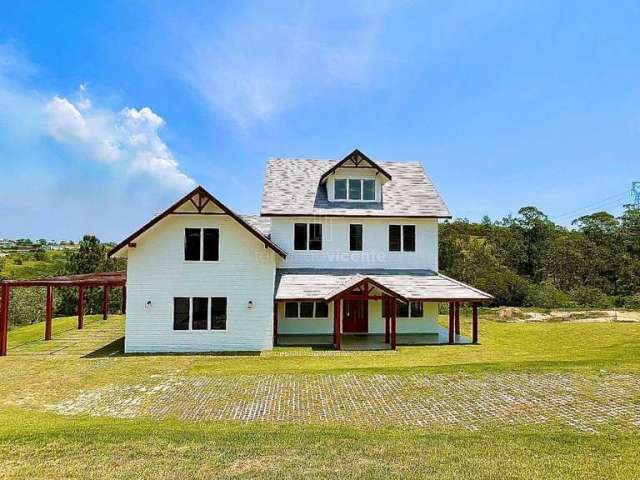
[[370, 310]]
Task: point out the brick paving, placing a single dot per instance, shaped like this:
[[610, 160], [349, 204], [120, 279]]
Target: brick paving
[[585, 402]]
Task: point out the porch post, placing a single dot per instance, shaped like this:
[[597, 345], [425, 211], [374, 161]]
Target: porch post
[[393, 327], [4, 320], [474, 323], [80, 307], [457, 318], [275, 323], [48, 313], [336, 323], [105, 302], [452, 308], [387, 317]]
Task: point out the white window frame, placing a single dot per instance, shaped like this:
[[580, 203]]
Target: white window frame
[[361, 180], [208, 329], [202, 244], [402, 225], [307, 249], [315, 304], [409, 309]]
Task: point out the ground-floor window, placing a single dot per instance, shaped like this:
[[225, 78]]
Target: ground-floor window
[[306, 310], [199, 313], [405, 310]]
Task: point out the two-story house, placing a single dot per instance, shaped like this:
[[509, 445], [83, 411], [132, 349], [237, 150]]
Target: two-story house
[[343, 253]]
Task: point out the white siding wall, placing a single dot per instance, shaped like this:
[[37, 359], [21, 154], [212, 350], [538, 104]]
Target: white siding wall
[[157, 273], [317, 326], [375, 248]]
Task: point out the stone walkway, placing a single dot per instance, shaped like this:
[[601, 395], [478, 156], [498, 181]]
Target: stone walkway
[[584, 402]]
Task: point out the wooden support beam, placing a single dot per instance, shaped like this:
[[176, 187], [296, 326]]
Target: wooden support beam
[[123, 308], [81, 290], [457, 318], [336, 324], [474, 323], [275, 323], [394, 328], [387, 318], [105, 302], [48, 314], [452, 308], [4, 320]]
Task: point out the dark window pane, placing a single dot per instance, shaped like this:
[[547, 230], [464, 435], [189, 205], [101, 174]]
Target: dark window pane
[[355, 190], [180, 313], [315, 236], [402, 309], [341, 190], [409, 238], [291, 310], [322, 310], [368, 189], [300, 236], [211, 239], [355, 238], [218, 313], [199, 320], [192, 244], [394, 238], [416, 309], [306, 310]]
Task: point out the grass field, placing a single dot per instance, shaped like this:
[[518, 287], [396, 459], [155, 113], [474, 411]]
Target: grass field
[[40, 439]]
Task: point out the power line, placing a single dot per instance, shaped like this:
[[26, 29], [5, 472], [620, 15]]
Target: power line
[[603, 203]]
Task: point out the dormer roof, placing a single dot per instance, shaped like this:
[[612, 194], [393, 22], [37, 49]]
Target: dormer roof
[[294, 187], [355, 159]]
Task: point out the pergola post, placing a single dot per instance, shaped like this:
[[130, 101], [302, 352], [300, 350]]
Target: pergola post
[[80, 307], [4, 320], [474, 323], [452, 308], [123, 308], [275, 323], [105, 302], [457, 319], [48, 314], [394, 340], [336, 323]]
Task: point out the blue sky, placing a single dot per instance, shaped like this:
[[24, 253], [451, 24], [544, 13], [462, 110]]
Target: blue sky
[[109, 111]]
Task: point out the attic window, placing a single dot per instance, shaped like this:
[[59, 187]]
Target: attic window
[[355, 189], [341, 190]]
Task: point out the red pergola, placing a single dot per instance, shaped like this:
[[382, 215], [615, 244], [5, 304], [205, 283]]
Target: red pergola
[[104, 280]]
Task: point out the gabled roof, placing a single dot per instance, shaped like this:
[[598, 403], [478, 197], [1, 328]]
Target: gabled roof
[[203, 199], [324, 284], [292, 187], [356, 159]]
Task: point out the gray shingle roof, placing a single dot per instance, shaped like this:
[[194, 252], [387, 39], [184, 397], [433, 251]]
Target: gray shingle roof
[[262, 224], [292, 187], [321, 284]]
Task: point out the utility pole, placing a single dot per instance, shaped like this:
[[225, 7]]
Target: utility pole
[[635, 196]]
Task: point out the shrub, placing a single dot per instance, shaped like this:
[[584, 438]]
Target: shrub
[[546, 295], [633, 302], [591, 297]]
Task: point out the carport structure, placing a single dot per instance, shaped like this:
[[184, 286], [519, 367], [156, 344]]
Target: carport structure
[[104, 280]]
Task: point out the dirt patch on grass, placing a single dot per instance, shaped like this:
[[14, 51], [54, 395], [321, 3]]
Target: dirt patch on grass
[[518, 315]]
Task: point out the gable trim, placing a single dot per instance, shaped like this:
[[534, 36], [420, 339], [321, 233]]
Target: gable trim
[[348, 158], [201, 192]]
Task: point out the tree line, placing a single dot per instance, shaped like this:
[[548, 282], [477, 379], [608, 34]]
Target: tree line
[[528, 260]]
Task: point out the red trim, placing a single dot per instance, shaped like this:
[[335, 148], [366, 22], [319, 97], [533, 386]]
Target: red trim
[[367, 280], [197, 191], [336, 324]]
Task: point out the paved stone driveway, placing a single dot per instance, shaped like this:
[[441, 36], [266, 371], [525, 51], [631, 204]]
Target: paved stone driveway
[[584, 402]]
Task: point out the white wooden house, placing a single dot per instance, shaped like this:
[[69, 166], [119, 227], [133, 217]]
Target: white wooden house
[[343, 253]]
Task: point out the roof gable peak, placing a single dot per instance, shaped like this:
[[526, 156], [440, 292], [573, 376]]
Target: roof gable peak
[[355, 159]]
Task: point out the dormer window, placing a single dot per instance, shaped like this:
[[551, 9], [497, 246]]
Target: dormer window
[[355, 189]]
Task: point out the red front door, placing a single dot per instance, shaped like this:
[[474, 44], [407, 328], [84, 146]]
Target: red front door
[[356, 316]]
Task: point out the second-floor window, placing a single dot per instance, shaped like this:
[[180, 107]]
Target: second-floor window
[[402, 238], [201, 244], [307, 236], [355, 238], [355, 189]]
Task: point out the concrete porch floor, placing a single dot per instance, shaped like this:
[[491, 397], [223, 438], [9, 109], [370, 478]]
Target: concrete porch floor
[[367, 341]]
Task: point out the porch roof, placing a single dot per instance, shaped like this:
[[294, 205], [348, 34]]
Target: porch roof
[[322, 284]]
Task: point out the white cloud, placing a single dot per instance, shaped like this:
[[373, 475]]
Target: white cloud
[[265, 61], [127, 139]]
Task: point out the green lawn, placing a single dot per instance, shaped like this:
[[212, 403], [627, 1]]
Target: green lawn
[[37, 443]]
